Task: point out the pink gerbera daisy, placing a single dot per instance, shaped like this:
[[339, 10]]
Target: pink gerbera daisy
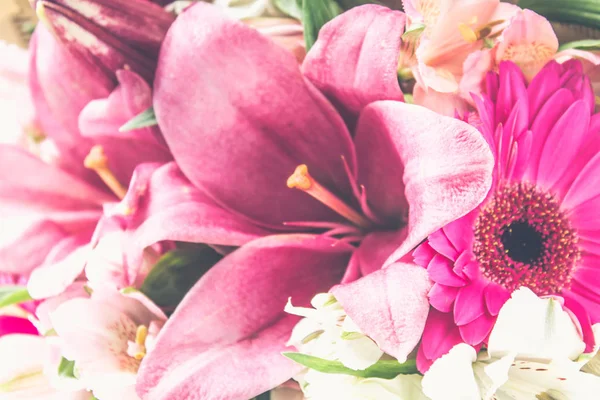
[[539, 226]]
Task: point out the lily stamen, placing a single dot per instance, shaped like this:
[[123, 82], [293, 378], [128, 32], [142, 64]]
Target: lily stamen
[[140, 339], [302, 180], [96, 160]]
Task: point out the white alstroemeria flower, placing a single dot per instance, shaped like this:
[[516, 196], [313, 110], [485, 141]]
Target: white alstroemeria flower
[[533, 353], [24, 371], [107, 336], [327, 332], [320, 386]]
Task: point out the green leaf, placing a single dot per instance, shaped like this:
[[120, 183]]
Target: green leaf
[[384, 369], [590, 45], [10, 295], [292, 8], [176, 272], [66, 369], [413, 32], [142, 120], [315, 14], [348, 4], [580, 12]]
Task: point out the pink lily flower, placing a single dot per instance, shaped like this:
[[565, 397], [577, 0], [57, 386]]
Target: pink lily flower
[[349, 202], [58, 206], [109, 34]]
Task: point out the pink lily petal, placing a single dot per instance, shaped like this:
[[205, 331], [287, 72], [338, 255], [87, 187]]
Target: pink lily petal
[[448, 104], [376, 248], [163, 206], [28, 181], [104, 117], [250, 134], [29, 248], [455, 180], [62, 267], [233, 320], [355, 59], [46, 307], [11, 325], [110, 33], [61, 89], [390, 306]]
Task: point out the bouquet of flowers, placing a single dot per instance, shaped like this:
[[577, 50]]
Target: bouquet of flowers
[[301, 199]]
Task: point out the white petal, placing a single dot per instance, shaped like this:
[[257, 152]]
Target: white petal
[[95, 337], [22, 370], [359, 353], [492, 374], [320, 386], [350, 326], [303, 329], [299, 311], [21, 355], [592, 360], [563, 380], [451, 377], [534, 327]]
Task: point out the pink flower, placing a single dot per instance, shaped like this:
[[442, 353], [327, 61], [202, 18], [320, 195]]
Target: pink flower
[[56, 207], [107, 336], [537, 227], [267, 157], [110, 34], [15, 318]]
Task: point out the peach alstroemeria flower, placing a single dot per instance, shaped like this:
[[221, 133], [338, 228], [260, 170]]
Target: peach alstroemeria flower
[[452, 29]]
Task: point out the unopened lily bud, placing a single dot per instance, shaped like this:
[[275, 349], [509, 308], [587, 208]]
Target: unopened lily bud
[[286, 32], [112, 34]]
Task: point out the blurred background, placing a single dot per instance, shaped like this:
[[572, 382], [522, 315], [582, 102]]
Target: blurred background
[[17, 21]]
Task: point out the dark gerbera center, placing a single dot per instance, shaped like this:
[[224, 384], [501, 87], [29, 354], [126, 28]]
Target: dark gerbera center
[[522, 242], [523, 239]]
